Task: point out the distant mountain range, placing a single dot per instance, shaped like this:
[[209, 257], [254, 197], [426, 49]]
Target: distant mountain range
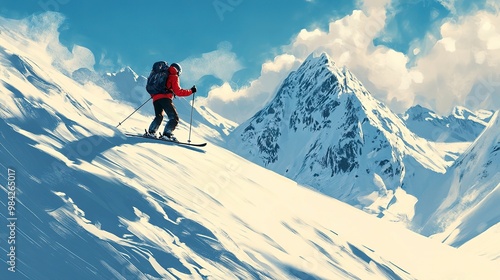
[[462, 125]]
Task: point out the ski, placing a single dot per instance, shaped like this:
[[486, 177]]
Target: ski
[[169, 141]]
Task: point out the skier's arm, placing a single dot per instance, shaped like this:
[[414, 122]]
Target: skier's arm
[[176, 88]]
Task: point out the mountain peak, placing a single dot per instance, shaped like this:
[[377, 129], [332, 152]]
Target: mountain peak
[[321, 57], [418, 112], [324, 66], [319, 60], [460, 112], [335, 129], [126, 72]]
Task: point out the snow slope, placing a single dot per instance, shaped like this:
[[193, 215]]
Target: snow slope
[[94, 204], [110, 215], [469, 196]]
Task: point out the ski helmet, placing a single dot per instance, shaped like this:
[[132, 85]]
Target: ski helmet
[[178, 67]]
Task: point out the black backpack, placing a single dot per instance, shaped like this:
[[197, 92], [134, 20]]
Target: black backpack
[[158, 78]]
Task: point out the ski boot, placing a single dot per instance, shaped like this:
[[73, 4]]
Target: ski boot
[[169, 136], [148, 134]]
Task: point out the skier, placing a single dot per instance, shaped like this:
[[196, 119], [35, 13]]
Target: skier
[[164, 102]]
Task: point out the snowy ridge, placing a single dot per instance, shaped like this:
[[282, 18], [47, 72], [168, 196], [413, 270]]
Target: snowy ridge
[[345, 143], [462, 125], [471, 191]]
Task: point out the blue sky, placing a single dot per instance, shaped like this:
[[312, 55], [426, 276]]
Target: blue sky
[[136, 33], [225, 44]]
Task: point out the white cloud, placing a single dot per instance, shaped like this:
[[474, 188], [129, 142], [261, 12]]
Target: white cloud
[[449, 4], [375, 6], [240, 104], [221, 63], [462, 68]]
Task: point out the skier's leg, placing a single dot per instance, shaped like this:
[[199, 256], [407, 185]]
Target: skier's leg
[[155, 124], [173, 117]]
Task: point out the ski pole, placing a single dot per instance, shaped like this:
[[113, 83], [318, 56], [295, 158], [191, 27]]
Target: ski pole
[[120, 123], [191, 121]]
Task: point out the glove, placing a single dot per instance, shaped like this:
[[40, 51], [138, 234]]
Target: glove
[[193, 89]]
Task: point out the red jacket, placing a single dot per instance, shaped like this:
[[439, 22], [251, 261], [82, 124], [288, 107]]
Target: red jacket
[[172, 84]]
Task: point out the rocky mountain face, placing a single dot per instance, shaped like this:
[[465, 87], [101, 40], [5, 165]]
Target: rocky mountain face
[[325, 130]]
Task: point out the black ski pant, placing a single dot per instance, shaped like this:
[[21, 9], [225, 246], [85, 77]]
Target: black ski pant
[[167, 105]]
